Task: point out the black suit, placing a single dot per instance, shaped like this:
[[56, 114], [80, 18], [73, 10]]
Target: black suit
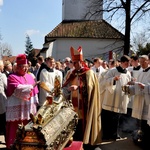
[[43, 66]]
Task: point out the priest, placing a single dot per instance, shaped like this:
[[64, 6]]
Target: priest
[[82, 87]]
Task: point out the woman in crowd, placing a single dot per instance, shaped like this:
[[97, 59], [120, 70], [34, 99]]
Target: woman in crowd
[[3, 86]]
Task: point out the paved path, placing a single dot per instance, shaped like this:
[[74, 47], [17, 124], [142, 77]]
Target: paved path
[[2, 143], [123, 144]]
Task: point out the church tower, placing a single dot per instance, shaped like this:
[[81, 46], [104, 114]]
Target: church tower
[[76, 10]]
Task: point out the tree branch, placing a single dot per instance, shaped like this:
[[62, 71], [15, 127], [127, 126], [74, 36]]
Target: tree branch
[[139, 9]]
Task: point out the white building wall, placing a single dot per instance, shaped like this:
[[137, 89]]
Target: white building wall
[[43, 54], [76, 10], [49, 51], [91, 47]]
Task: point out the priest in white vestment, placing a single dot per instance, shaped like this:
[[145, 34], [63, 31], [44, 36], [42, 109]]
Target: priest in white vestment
[[115, 100], [141, 103]]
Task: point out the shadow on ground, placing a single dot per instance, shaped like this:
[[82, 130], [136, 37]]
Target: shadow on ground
[[122, 144], [126, 143]]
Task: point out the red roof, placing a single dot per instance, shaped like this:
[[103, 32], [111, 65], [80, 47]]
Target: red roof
[[84, 29], [12, 59]]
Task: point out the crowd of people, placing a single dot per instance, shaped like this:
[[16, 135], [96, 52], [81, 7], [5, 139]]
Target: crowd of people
[[101, 92]]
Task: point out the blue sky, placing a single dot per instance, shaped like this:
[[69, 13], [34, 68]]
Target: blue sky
[[34, 17], [37, 18]]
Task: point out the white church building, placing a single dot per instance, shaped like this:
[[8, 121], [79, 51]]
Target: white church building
[[96, 37]]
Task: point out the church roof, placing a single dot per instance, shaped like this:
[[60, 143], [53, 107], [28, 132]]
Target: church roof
[[99, 29], [12, 59]]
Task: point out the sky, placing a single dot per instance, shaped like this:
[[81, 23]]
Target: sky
[[33, 17], [36, 18]]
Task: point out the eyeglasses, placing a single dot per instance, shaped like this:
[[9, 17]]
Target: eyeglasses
[[20, 68], [23, 66], [66, 61]]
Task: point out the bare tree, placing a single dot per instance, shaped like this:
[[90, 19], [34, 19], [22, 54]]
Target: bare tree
[[125, 12], [141, 39], [5, 49], [141, 43]]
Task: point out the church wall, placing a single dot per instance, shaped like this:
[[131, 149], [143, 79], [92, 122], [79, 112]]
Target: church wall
[[91, 47], [76, 10]]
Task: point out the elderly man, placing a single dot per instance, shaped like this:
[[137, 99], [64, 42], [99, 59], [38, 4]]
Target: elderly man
[[67, 63], [22, 99], [82, 87]]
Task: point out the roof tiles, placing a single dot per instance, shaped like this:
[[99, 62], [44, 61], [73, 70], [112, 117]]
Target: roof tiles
[[84, 29]]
